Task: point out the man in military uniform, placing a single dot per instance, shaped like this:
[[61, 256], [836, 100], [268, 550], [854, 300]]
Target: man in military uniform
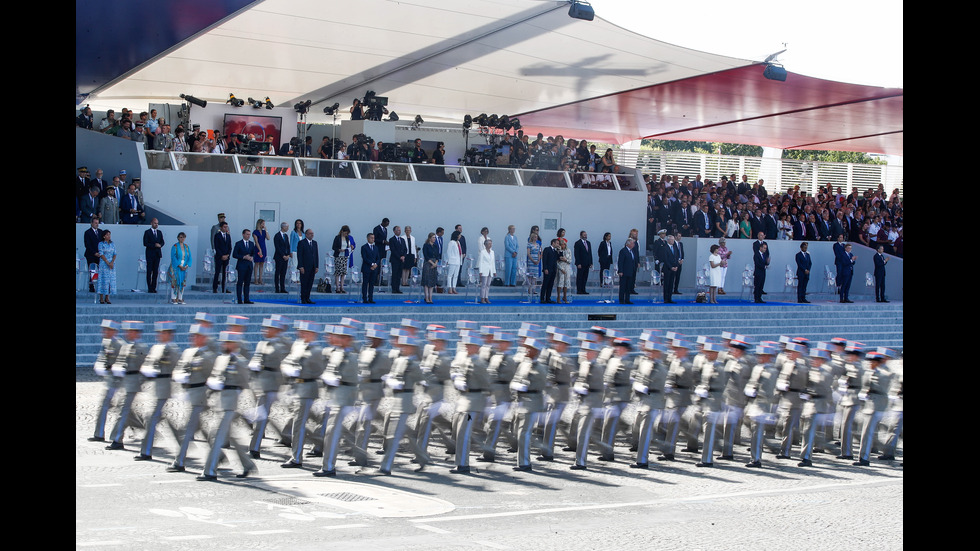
[[711, 390], [108, 353], [616, 379], [500, 368], [127, 366], [435, 366], [848, 386], [875, 387], [228, 378], [648, 387], [158, 368], [472, 382], [192, 372], [793, 378], [589, 386], [529, 384], [405, 374], [737, 371], [818, 403], [340, 376], [302, 368], [266, 365], [678, 388], [761, 389], [373, 365], [560, 378]]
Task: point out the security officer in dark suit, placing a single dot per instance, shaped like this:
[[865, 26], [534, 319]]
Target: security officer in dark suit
[[399, 251], [380, 242], [244, 253], [549, 269], [880, 261], [153, 242], [627, 271], [761, 260], [671, 267], [370, 267], [583, 262], [92, 238], [281, 255], [308, 262], [803, 265], [222, 254]]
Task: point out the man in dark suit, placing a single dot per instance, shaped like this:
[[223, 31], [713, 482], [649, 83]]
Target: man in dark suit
[[92, 237], [583, 262], [761, 260], [880, 261], [771, 225], [244, 252], [549, 269], [755, 221], [839, 259], [846, 274], [799, 229], [370, 265], [308, 263], [605, 255], [153, 242], [222, 256], [679, 247], [380, 242], [399, 248], [626, 269], [670, 268], [759, 242], [803, 265], [682, 218], [130, 206], [281, 256], [702, 222], [825, 228]]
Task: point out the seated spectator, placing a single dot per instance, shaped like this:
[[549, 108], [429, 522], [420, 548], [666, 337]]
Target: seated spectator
[[109, 122], [84, 119]]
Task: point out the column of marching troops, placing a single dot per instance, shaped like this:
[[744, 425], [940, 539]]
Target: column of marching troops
[[508, 387]]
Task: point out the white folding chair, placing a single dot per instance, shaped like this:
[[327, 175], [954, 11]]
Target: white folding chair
[[608, 281], [93, 276], [415, 282], [355, 281], [748, 282], [831, 281], [790, 281], [472, 283], [656, 286], [140, 269]]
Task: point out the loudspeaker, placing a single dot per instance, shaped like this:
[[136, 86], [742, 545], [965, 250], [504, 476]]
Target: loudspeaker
[[581, 11], [774, 72]]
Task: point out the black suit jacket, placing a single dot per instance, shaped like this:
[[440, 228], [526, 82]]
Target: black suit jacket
[[307, 255], [670, 257], [700, 219], [627, 261], [149, 242], [281, 245], [803, 262], [380, 239], [222, 244], [583, 254], [605, 257], [549, 260], [879, 265], [243, 248], [92, 239], [770, 225], [370, 255], [398, 246], [761, 261]]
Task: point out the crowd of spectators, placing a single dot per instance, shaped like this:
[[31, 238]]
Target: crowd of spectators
[[116, 201], [741, 210]]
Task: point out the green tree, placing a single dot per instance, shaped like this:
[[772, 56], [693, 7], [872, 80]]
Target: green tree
[[832, 156]]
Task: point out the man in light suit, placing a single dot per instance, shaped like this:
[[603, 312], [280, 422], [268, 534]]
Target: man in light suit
[[583, 262], [244, 252], [308, 262], [626, 270], [803, 265], [153, 242], [370, 265], [281, 255]]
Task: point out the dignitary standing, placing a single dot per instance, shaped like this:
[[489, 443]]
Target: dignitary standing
[[371, 254], [222, 253], [511, 248], [487, 265], [761, 260], [281, 255], [244, 253], [153, 243], [803, 265], [583, 262], [549, 269], [626, 268], [880, 260], [308, 262]]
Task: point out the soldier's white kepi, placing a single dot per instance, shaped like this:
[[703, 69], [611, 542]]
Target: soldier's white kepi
[[164, 326]]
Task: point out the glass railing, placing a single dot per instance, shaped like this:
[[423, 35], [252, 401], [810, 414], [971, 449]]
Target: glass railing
[[368, 170]]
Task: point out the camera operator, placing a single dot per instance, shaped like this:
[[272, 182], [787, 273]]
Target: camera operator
[[419, 155], [439, 155], [357, 110]]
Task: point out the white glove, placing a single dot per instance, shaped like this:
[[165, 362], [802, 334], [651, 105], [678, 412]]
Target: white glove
[[100, 369], [750, 392], [701, 391], [668, 389], [394, 383], [290, 371], [581, 388], [454, 375], [804, 396], [641, 388], [148, 371], [214, 383], [518, 387], [460, 384], [254, 364], [331, 379], [782, 386], [181, 377], [118, 370], [863, 396]]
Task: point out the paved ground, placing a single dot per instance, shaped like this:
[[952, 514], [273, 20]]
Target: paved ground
[[125, 504]]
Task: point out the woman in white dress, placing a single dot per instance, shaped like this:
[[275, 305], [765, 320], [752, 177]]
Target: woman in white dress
[[488, 270], [714, 274]]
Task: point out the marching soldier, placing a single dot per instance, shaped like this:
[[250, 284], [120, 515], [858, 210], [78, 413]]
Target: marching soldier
[[373, 365], [405, 374], [529, 384], [266, 364], [127, 366], [229, 377], [589, 386], [158, 368], [560, 378], [192, 372], [340, 376], [848, 386], [761, 389], [472, 381], [500, 368], [678, 389], [103, 363], [793, 378], [818, 402], [737, 372], [435, 367], [648, 387], [616, 378], [875, 388], [302, 368], [711, 391], [896, 406], [239, 324]]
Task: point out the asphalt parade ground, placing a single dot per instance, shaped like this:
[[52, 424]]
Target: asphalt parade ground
[[125, 504]]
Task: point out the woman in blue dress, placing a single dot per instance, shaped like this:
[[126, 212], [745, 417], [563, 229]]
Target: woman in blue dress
[[259, 236], [180, 261], [534, 254], [107, 268]]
